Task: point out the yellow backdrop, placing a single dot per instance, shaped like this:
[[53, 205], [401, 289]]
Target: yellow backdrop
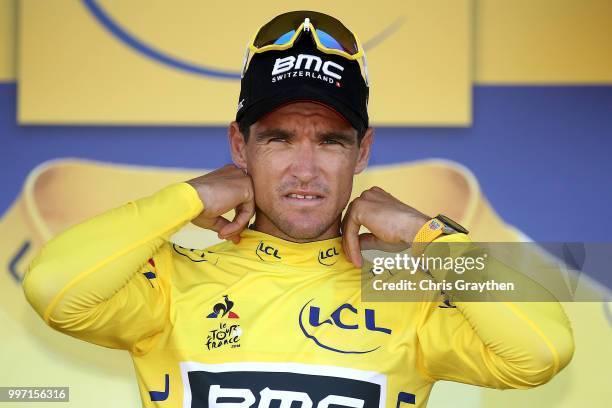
[[153, 72]]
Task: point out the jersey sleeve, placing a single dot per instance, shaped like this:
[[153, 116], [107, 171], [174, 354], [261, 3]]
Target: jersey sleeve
[[107, 280], [497, 344]]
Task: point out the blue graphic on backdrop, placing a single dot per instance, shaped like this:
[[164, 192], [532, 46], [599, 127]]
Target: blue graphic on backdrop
[[172, 61]]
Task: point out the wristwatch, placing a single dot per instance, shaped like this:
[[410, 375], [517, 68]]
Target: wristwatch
[[434, 228]]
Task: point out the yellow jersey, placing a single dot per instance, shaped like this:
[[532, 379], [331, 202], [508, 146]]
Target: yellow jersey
[[269, 322]]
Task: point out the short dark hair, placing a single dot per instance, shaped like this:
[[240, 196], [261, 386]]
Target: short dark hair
[[246, 131]]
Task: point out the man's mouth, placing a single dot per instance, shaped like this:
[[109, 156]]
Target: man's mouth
[[304, 197]]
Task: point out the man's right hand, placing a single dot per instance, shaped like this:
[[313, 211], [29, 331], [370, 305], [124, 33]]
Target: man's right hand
[[225, 189]]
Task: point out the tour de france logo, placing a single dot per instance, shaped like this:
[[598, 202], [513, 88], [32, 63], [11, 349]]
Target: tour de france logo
[[226, 334]]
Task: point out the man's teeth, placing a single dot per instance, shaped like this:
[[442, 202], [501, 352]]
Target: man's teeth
[[303, 197]]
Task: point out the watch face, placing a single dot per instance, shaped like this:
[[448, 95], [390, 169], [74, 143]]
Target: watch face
[[452, 224]]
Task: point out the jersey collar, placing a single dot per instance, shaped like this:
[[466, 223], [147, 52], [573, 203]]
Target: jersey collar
[[270, 249]]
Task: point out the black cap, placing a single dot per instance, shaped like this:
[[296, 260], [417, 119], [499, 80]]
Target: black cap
[[303, 73]]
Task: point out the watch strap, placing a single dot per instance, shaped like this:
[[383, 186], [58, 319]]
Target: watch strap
[[431, 230]]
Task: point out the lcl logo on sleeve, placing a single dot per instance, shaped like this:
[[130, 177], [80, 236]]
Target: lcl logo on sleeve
[[266, 385]]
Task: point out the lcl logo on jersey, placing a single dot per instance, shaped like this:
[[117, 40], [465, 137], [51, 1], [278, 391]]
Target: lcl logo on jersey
[[346, 318], [328, 256], [267, 252], [195, 255], [306, 65]]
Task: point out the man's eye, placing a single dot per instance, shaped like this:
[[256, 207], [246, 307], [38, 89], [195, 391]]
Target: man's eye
[[331, 141], [278, 139]]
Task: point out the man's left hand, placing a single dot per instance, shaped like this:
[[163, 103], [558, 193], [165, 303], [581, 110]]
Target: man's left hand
[[392, 224]]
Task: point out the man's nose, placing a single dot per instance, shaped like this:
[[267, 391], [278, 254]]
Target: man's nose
[[304, 166]]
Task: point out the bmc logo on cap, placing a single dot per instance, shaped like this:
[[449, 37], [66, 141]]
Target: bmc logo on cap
[[306, 61]]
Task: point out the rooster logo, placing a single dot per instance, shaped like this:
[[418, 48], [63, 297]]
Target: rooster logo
[[223, 309]]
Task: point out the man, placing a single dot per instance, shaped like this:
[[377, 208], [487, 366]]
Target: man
[[272, 316]]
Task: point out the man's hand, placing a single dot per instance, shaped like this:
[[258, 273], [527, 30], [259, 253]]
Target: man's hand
[[222, 190], [393, 224]]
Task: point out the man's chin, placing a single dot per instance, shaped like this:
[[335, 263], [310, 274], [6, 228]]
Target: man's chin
[[304, 230]]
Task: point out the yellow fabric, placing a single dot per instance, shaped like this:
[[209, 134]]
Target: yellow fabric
[[91, 282], [547, 324], [58, 194]]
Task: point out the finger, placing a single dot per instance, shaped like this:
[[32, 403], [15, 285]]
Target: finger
[[235, 238], [214, 224], [343, 230], [350, 237], [244, 213], [368, 241]]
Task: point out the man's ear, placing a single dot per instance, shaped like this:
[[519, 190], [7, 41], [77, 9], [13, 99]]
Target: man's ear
[[364, 150], [237, 145]]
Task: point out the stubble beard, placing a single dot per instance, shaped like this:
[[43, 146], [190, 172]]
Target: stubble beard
[[295, 232]]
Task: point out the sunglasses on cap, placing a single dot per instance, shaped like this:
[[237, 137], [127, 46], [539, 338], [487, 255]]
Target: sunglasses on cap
[[328, 33]]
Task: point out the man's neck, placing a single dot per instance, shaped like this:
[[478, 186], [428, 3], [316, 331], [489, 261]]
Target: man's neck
[[263, 224]]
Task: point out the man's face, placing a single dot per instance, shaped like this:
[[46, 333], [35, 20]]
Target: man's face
[[302, 158]]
